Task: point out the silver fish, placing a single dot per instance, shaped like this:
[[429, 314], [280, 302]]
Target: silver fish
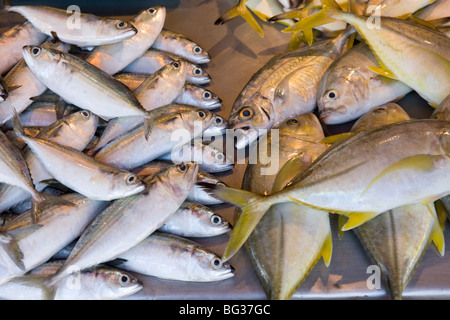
[[349, 88], [195, 220], [170, 130], [131, 218], [112, 58], [168, 255], [61, 223], [26, 84], [284, 88], [153, 60], [76, 28], [13, 40], [180, 45], [96, 283], [80, 172]]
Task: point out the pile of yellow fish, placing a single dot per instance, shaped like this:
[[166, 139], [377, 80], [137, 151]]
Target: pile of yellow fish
[[388, 179]]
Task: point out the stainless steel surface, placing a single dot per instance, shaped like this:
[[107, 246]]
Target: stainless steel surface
[[237, 52]]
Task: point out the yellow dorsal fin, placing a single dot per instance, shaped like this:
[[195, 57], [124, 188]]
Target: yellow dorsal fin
[[356, 219], [383, 71]]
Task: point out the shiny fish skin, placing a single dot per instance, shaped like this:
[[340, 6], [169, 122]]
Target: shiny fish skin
[[97, 283], [153, 60], [112, 58], [13, 40], [396, 8], [131, 219], [195, 220], [27, 84], [131, 150], [77, 82], [349, 89], [175, 258], [75, 130], [284, 88], [92, 30], [180, 45], [61, 223]]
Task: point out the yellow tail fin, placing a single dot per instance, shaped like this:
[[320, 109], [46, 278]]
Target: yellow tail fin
[[240, 10]]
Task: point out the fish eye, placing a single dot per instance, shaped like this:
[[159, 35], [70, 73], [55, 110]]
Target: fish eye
[[201, 114], [292, 122], [246, 112], [152, 10], [121, 24], [124, 279], [218, 120], [85, 114], [331, 95], [197, 71], [216, 263], [197, 49], [219, 156], [176, 64], [215, 220], [206, 95], [182, 167], [131, 179], [35, 51]]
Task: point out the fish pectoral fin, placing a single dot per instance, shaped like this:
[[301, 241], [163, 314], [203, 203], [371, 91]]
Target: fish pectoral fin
[[336, 138], [383, 71], [356, 219], [327, 249], [437, 233], [421, 162], [12, 88]]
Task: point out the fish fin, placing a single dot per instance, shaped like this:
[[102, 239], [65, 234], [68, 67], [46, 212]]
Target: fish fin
[[336, 138], [437, 233], [324, 16], [431, 199], [253, 207], [441, 212], [117, 262], [10, 241], [60, 108], [12, 88], [421, 22], [383, 71], [433, 104], [342, 220], [240, 10], [327, 249], [356, 219], [421, 162], [46, 201]]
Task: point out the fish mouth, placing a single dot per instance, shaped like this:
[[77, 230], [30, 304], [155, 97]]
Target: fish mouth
[[3, 96], [201, 80], [217, 103], [333, 116]]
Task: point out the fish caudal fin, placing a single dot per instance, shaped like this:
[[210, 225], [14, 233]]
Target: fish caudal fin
[[240, 10], [253, 207], [437, 233]]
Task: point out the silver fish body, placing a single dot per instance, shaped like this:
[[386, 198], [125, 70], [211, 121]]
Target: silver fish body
[[61, 223], [112, 58], [77, 82], [97, 283], [195, 220], [13, 40], [284, 88], [131, 219], [180, 45], [349, 89], [76, 28], [153, 60], [175, 258]]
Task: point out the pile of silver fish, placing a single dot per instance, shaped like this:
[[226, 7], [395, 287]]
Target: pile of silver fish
[[387, 179], [90, 193]]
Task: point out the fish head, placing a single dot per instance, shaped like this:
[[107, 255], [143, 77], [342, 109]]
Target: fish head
[[251, 120], [217, 128], [196, 53], [43, 61], [180, 178], [214, 159], [304, 127], [342, 94], [126, 184], [207, 220], [197, 75], [385, 114], [83, 124], [56, 45], [109, 283], [150, 20], [212, 267], [177, 70], [116, 28]]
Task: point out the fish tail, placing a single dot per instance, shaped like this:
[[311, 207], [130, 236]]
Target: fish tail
[[240, 10], [437, 233], [331, 12], [253, 207]]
